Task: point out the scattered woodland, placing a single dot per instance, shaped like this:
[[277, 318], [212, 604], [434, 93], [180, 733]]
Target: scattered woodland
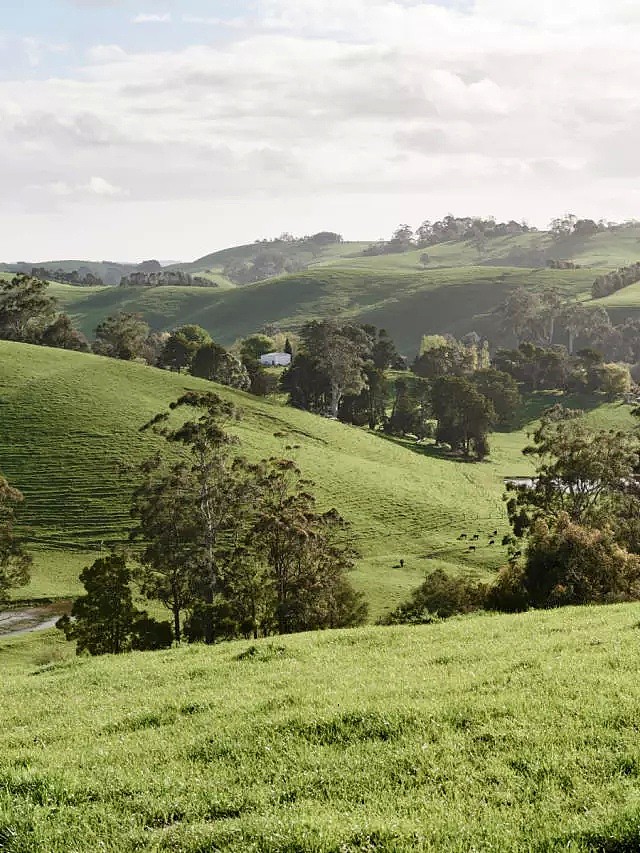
[[391, 548]]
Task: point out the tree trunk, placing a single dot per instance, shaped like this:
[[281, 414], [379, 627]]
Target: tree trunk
[[335, 400]]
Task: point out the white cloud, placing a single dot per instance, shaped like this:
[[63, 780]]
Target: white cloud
[[99, 186], [143, 18]]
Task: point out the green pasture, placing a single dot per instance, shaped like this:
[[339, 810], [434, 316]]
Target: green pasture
[[486, 733]]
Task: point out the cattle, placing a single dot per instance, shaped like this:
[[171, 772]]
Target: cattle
[[462, 536], [475, 537], [492, 542], [472, 547]]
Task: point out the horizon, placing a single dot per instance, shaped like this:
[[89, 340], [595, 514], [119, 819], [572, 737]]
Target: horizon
[[129, 126]]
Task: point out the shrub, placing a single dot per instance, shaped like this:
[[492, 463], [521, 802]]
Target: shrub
[[508, 594], [149, 635], [438, 597], [570, 564]]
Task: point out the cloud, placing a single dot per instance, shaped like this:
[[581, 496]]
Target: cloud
[[143, 18], [498, 106], [101, 187]]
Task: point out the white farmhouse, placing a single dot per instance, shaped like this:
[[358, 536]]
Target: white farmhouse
[[275, 359]]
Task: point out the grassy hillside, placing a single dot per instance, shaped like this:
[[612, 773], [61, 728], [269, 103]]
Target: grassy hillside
[[408, 304], [68, 421], [298, 250], [490, 733]]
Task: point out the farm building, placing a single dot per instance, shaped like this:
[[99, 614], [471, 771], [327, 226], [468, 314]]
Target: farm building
[[275, 359]]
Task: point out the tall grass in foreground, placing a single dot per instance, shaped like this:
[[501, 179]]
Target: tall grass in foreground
[[505, 733]]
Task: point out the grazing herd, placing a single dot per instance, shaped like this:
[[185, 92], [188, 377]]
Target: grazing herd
[[476, 538]]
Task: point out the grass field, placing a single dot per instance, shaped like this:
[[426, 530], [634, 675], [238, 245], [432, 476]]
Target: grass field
[[69, 421], [487, 733]]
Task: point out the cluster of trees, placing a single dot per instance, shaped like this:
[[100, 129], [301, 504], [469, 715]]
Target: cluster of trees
[[268, 263], [570, 225], [553, 369], [164, 278], [284, 254], [476, 229], [576, 529], [613, 281], [339, 370], [82, 277], [230, 548], [538, 319], [453, 395], [191, 348], [28, 314]]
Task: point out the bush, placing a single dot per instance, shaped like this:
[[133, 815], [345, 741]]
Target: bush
[[149, 635], [570, 564], [438, 597], [508, 594]]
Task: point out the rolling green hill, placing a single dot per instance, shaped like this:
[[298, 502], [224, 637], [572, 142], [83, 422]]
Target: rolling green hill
[[486, 733], [68, 421], [408, 304]]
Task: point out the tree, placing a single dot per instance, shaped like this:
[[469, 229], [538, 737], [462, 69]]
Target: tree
[[255, 346], [568, 564], [521, 315], [121, 336], [446, 358], [501, 390], [587, 474], [288, 348], [214, 363], [343, 365], [181, 346], [25, 309], [61, 335], [102, 621], [165, 507], [464, 416], [440, 596], [582, 320], [329, 366], [615, 380], [212, 506], [307, 554], [15, 564]]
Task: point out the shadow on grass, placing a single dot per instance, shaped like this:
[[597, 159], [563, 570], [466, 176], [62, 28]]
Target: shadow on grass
[[535, 405], [433, 451]]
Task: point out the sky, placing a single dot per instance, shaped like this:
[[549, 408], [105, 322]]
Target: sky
[[135, 129]]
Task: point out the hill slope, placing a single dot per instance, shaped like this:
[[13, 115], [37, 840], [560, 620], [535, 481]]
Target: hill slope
[[407, 303], [493, 733], [68, 421]]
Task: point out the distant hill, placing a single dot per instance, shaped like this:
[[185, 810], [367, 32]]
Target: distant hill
[[450, 287], [408, 303]]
